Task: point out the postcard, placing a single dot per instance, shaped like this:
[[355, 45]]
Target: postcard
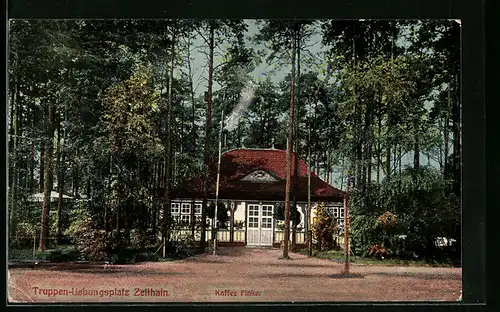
[[183, 160]]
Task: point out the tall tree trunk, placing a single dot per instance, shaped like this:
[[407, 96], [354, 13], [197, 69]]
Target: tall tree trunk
[[369, 165], [379, 148], [60, 180], [388, 132], [445, 129], [371, 139], [261, 134], [48, 170], [416, 146], [309, 208], [168, 154], [110, 179], [32, 159], [181, 136], [357, 122], [289, 147], [342, 173], [366, 142], [191, 93], [296, 141], [61, 192], [388, 160], [400, 157], [15, 162], [41, 174], [208, 128], [457, 154]]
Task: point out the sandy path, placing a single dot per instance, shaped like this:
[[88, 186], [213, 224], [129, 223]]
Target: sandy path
[[238, 274]]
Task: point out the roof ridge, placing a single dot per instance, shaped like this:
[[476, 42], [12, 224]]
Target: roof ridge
[[254, 149]]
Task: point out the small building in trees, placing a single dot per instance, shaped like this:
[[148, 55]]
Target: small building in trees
[[252, 189]]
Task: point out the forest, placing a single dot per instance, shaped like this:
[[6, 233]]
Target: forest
[[114, 114]]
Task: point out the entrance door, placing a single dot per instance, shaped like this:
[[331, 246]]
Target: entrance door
[[260, 225]]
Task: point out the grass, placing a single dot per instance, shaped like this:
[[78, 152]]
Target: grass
[[62, 253], [69, 253], [21, 254], [339, 256]]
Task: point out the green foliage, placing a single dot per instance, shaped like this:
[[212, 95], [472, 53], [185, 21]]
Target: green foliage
[[89, 241], [410, 213], [239, 225], [324, 228], [279, 213], [222, 214], [64, 254], [138, 238], [26, 230]]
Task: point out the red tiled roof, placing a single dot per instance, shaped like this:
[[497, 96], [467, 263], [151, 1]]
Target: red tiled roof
[[237, 164], [248, 160]]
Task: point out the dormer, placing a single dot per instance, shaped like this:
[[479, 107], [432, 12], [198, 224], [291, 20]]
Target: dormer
[[259, 176]]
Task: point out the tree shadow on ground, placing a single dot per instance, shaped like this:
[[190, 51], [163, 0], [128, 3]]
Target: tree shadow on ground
[[294, 264], [343, 275], [108, 270], [233, 251], [206, 260], [287, 275], [425, 276]]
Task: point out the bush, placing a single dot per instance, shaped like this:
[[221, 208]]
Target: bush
[[138, 238], [222, 214], [404, 215], [238, 224], [89, 241], [279, 213], [324, 228], [25, 233], [60, 255], [147, 256]]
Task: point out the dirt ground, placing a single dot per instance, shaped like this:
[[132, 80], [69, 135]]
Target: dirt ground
[[237, 274]]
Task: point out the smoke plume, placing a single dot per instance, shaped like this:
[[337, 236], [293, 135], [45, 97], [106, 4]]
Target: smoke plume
[[246, 97]]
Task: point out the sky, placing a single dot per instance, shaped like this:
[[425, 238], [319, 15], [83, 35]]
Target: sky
[[261, 71]]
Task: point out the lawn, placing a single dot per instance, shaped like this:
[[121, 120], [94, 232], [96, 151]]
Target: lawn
[[339, 257]]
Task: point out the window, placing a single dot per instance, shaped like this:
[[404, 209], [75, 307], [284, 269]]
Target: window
[[267, 223], [185, 219], [267, 211], [253, 222], [174, 207], [335, 212], [253, 210], [186, 209], [342, 212], [197, 208], [198, 218]]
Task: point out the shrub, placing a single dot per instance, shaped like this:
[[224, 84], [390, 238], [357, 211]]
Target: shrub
[[365, 232], [138, 238], [238, 224], [89, 241], [147, 256], [60, 254], [222, 214], [25, 233], [279, 213], [324, 228], [378, 251]]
